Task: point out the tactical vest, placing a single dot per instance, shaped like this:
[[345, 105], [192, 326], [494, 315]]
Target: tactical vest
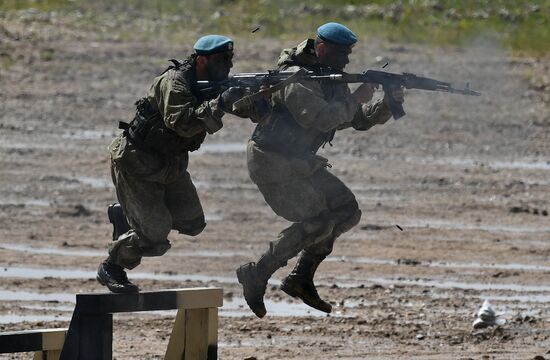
[[283, 135], [148, 132]]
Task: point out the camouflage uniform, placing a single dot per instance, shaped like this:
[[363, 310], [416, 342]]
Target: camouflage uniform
[[295, 182], [149, 165], [282, 158]]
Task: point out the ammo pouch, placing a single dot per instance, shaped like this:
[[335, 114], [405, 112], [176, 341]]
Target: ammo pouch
[[148, 133], [143, 122]]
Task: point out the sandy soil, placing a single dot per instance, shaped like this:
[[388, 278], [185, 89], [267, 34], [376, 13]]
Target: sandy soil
[[467, 179]]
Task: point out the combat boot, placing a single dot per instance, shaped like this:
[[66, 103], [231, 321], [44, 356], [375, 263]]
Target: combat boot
[[114, 277], [253, 277], [118, 219], [300, 282]]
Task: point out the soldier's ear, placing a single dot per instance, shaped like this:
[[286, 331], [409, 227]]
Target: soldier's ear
[[320, 49], [201, 60]]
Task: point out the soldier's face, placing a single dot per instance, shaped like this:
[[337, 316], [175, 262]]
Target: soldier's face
[[218, 65], [334, 56]]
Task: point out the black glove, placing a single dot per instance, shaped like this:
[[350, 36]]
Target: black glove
[[230, 96]]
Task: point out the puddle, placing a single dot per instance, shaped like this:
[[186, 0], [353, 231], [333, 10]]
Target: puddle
[[52, 250], [199, 184], [36, 273], [209, 254], [25, 248], [520, 298], [449, 284], [12, 319], [88, 134], [98, 183], [37, 202], [9, 295], [361, 260], [455, 225], [27, 203], [237, 307], [496, 164], [442, 264], [508, 266], [213, 217], [212, 148], [59, 308], [23, 147]]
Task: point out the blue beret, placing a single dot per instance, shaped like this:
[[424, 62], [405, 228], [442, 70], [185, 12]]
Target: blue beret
[[336, 34], [212, 44]]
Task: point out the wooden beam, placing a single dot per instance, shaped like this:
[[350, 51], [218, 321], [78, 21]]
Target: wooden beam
[[32, 340], [193, 298]]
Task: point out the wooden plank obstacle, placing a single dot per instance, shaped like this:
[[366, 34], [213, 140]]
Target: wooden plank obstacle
[[46, 343], [90, 334]]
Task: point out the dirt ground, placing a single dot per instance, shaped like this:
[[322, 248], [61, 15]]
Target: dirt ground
[[466, 178]]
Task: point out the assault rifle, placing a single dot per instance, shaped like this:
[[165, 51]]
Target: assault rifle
[[277, 80]]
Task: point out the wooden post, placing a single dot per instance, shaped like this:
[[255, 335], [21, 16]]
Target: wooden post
[[194, 336], [212, 333]]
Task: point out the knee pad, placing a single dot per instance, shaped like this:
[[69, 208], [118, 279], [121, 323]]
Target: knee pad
[[191, 228]]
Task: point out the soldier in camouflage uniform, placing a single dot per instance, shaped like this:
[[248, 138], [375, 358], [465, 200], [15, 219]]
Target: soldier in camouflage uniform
[[294, 181], [149, 160]]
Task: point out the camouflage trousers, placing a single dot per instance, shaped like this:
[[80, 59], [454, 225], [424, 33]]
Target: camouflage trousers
[[154, 204], [304, 192]]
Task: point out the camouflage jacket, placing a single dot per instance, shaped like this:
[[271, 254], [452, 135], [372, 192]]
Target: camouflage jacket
[[306, 114], [185, 117], [177, 121]]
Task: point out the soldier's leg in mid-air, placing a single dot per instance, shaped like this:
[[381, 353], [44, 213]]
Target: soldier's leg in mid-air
[[150, 221], [344, 213], [296, 201], [183, 202]]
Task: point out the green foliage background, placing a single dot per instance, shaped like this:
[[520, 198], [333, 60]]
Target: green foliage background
[[521, 26]]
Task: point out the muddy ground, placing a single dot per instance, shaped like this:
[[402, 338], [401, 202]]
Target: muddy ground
[[467, 179]]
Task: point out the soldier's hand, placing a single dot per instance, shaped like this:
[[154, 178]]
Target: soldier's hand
[[364, 92], [265, 87], [397, 94], [230, 96]]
